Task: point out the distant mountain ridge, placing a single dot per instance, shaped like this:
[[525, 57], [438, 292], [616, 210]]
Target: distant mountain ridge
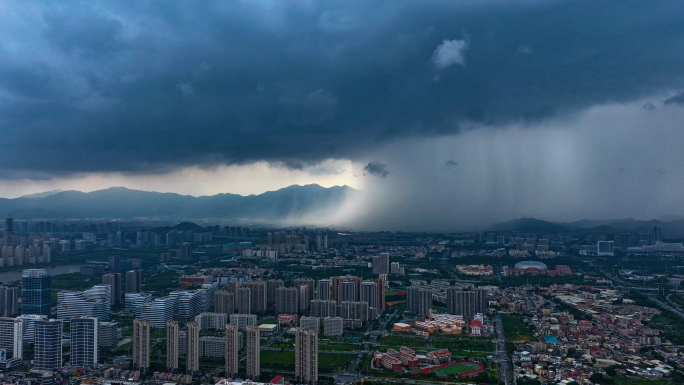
[[121, 202], [674, 228]]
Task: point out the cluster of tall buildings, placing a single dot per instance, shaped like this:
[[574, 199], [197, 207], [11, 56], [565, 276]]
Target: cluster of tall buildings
[[465, 301], [352, 298]]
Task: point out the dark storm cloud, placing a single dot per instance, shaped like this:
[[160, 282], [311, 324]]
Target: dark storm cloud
[[149, 86], [676, 99], [376, 169]]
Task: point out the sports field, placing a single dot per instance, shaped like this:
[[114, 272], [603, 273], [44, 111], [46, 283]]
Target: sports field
[[457, 369]]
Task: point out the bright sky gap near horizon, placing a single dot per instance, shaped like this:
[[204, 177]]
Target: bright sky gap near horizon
[[443, 114]]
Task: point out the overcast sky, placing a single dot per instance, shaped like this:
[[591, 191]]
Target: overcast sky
[[444, 113]]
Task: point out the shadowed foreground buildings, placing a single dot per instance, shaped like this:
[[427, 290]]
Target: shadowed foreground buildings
[[306, 356]]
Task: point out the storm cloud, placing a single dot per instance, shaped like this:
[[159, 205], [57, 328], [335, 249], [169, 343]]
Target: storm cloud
[[148, 87]]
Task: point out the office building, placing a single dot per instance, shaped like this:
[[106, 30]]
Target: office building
[[257, 296], [322, 308], [114, 281], [29, 321], [11, 337], [141, 344], [419, 301], [133, 281], [244, 301], [9, 301], [306, 356], [160, 311], [381, 264], [333, 326], [47, 353], [36, 291], [324, 291], [224, 302], [95, 302], [134, 302], [108, 335], [605, 248], [84, 341], [232, 348], [172, 335], [253, 351], [287, 300], [310, 323], [466, 302], [192, 356]]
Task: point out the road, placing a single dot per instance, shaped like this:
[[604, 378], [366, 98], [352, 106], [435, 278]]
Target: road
[[501, 356], [649, 295]]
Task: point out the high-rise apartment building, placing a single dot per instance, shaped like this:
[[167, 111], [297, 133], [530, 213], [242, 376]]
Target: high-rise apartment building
[[322, 309], [323, 292], [419, 300], [381, 264], [466, 302], [9, 301], [133, 281], [350, 291], [47, 353], [369, 294], [172, 335], [192, 356], [224, 302], [11, 336], [244, 301], [286, 300], [141, 344], [257, 294], [306, 292], [36, 292], [271, 286], [253, 351], [114, 281], [306, 356], [84, 341], [232, 348], [333, 326], [310, 323]]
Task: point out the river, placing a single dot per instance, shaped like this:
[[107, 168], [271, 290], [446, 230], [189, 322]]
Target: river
[[15, 275]]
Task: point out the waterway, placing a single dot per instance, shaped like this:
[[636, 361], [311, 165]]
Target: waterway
[[15, 275]]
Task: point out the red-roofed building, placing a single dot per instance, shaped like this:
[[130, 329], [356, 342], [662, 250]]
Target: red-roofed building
[[279, 380], [439, 356]]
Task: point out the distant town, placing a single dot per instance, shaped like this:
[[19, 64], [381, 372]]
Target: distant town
[[132, 302]]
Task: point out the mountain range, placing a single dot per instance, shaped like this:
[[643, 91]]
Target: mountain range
[[671, 227], [120, 202]]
